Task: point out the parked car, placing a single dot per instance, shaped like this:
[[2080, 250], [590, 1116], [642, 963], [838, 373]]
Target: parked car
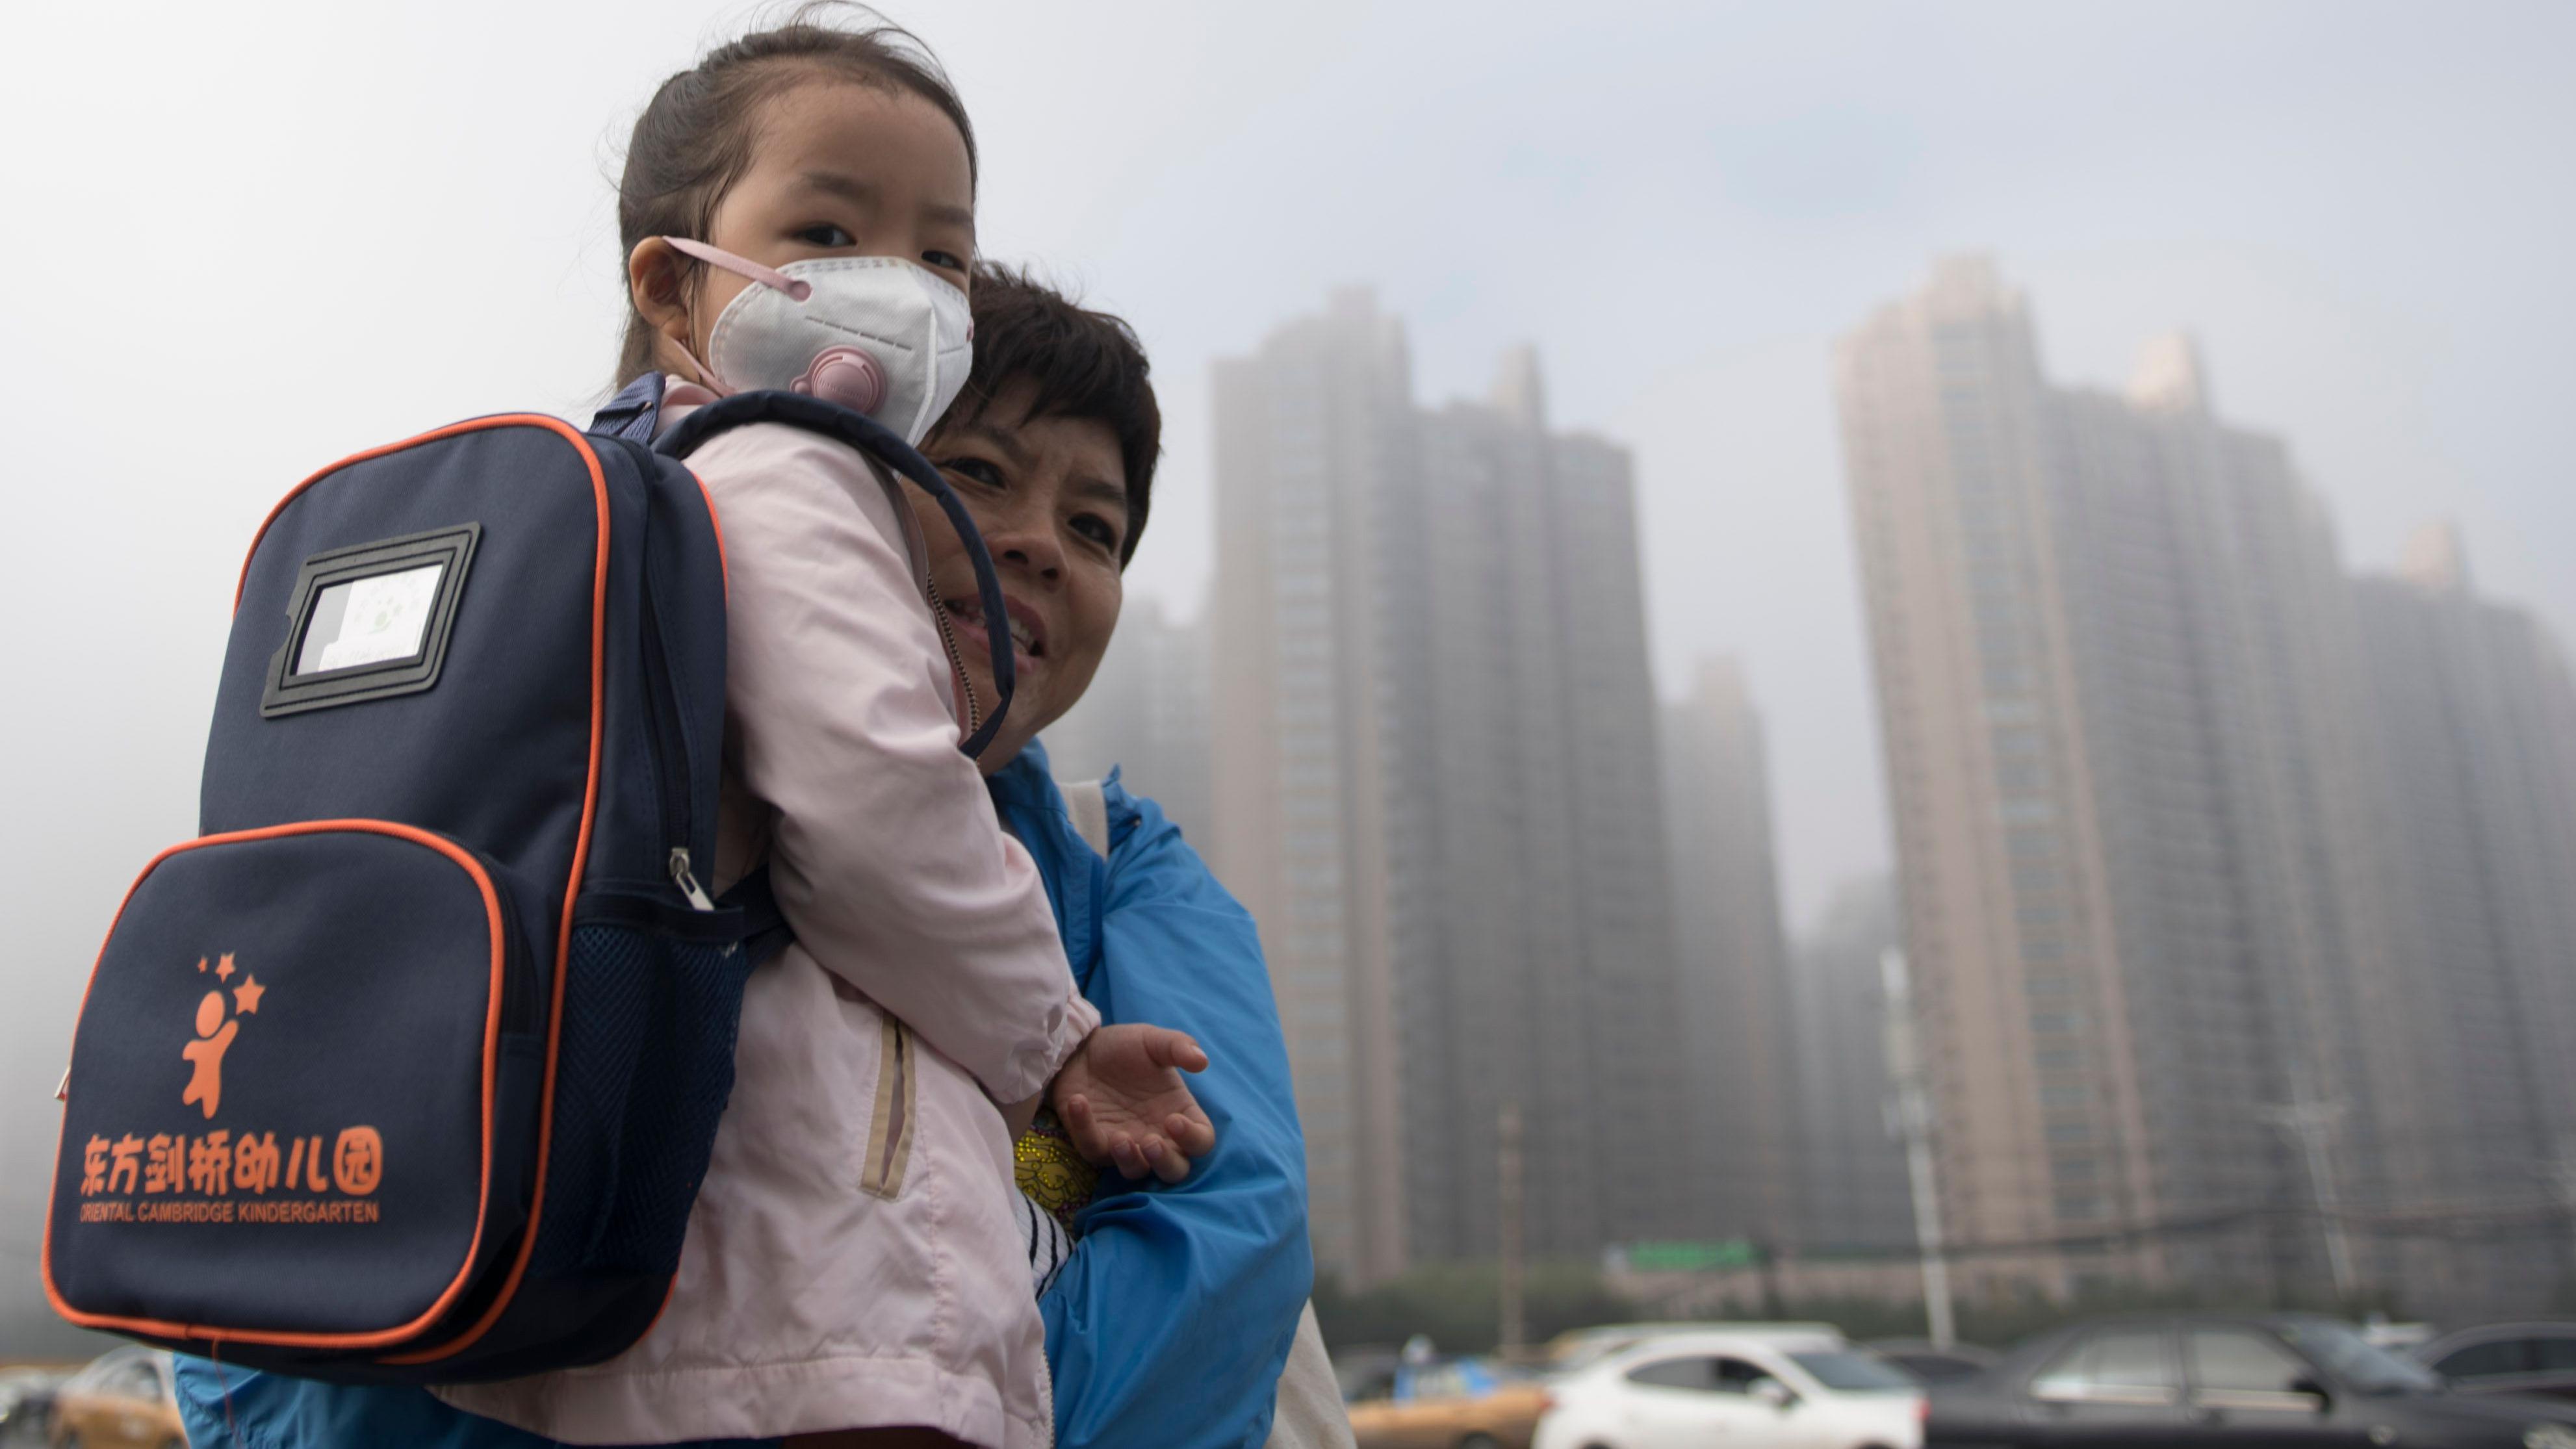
[[1581, 1346], [2189, 1380], [1457, 1404], [26, 1402], [1936, 1363], [2507, 1358], [1768, 1390], [122, 1400]]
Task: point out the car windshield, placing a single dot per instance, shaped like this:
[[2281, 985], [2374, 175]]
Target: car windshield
[[1853, 1372], [2351, 1358]]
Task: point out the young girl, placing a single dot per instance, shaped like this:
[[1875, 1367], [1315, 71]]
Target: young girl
[[798, 212]]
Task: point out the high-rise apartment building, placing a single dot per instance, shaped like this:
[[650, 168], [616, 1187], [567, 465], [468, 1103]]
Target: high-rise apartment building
[[1732, 961], [1537, 967], [1435, 788], [1146, 713], [2475, 825], [2110, 644], [1315, 462], [1852, 1189]]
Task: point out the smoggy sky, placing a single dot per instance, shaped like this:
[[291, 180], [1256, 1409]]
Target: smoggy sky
[[246, 239]]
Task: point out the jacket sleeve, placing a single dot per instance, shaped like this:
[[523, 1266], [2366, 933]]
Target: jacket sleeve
[[885, 853], [1171, 1323], [246, 1409]]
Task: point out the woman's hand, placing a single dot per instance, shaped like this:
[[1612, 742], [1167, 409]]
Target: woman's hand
[[1122, 1101]]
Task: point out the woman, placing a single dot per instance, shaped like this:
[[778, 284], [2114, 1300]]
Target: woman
[[1170, 1319], [1170, 1322]]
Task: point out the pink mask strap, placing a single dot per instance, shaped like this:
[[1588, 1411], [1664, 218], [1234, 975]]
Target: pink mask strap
[[741, 267], [706, 375]]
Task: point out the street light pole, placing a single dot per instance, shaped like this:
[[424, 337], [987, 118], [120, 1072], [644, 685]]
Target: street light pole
[[2309, 1120], [1910, 1115], [2561, 1174], [1515, 1328]]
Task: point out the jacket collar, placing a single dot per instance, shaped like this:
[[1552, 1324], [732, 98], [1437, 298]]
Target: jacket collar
[[1077, 880]]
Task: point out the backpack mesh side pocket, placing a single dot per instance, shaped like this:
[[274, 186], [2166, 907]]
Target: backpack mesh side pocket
[[646, 1066]]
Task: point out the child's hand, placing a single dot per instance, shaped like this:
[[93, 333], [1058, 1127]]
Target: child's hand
[[1122, 1101]]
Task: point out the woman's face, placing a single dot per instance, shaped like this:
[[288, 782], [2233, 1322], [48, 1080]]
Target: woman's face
[[1050, 497]]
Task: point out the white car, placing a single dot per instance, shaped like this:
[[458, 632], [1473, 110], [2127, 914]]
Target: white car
[[1735, 1391]]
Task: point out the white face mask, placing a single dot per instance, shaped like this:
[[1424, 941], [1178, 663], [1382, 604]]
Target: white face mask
[[879, 334]]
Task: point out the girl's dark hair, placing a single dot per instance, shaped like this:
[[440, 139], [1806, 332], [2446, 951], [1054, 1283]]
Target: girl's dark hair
[[694, 140], [1077, 363]]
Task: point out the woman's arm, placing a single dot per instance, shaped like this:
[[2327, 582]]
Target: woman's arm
[[885, 855], [1171, 1322]]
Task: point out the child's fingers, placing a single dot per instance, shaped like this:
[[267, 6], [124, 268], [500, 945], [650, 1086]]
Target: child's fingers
[[1130, 1160], [1193, 1135], [1176, 1049], [1170, 1164], [1082, 1124]]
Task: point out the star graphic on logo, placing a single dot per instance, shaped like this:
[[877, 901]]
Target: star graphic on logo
[[224, 968], [246, 996], [201, 964]]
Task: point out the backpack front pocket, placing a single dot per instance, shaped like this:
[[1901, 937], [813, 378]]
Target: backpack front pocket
[[302, 1095]]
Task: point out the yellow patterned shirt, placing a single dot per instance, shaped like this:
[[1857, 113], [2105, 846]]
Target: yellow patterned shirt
[[1050, 1171]]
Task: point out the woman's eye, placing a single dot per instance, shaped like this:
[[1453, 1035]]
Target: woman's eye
[[975, 468], [825, 234], [945, 261], [1092, 526]]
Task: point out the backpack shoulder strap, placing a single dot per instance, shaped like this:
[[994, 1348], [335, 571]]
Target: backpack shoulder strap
[[1087, 801], [765, 931], [875, 440], [633, 413]]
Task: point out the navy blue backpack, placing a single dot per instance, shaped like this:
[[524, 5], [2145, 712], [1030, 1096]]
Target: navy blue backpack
[[408, 1067]]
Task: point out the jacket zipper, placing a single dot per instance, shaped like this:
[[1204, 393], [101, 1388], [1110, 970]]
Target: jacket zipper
[[956, 660], [662, 734]]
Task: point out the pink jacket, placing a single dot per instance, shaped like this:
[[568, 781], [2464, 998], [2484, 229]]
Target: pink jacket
[[854, 1259]]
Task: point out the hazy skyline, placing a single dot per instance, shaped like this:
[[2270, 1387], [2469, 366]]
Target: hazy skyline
[[252, 239], [2359, 210]]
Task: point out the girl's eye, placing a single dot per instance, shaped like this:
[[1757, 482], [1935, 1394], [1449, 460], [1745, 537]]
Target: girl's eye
[[945, 261], [975, 468], [825, 234]]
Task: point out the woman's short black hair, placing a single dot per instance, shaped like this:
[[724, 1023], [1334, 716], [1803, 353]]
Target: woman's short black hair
[[1078, 364]]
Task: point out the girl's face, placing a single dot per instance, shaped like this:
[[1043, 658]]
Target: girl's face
[[838, 169], [1050, 497]]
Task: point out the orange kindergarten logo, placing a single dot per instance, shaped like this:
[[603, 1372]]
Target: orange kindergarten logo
[[215, 1032], [168, 1178]]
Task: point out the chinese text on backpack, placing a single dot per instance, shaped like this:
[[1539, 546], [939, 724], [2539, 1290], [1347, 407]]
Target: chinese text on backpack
[[407, 1068]]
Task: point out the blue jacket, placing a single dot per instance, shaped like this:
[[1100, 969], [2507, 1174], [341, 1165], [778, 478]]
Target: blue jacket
[[1172, 1320]]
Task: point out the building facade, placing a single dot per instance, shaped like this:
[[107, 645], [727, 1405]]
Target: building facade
[[1435, 786], [2475, 822], [1315, 462], [1539, 968], [1732, 958], [1146, 714], [2111, 647], [1853, 1197]]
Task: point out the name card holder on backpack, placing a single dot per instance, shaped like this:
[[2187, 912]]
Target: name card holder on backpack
[[370, 621]]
